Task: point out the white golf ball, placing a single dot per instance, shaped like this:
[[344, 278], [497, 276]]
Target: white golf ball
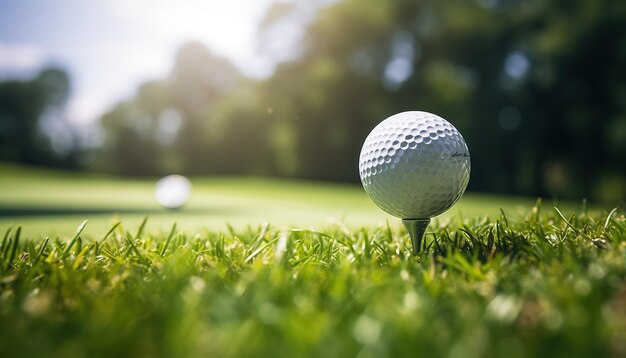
[[414, 165], [172, 191]]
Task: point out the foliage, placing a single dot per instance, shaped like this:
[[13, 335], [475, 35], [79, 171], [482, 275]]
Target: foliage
[[538, 80], [26, 108], [547, 285]]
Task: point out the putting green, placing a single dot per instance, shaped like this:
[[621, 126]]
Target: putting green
[[52, 203]]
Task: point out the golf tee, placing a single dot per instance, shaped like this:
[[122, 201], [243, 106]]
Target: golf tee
[[416, 229]]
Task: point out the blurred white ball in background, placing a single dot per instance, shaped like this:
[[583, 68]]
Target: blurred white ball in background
[[172, 191]]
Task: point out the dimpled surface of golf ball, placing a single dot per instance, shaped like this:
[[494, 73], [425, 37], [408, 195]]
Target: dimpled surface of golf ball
[[414, 165], [172, 191]]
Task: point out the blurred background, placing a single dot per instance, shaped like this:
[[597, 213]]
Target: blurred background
[[292, 88]]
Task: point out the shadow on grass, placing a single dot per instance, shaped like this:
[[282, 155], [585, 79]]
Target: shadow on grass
[[7, 212]]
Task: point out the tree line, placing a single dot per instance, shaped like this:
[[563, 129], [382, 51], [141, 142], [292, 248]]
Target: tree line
[[537, 88]]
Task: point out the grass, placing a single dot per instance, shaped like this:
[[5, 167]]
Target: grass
[[54, 203], [260, 267], [547, 284]]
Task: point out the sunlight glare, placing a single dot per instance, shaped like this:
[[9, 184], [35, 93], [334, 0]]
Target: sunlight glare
[[225, 26]]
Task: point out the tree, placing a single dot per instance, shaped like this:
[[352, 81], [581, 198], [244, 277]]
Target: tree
[[23, 105], [536, 87], [168, 125]]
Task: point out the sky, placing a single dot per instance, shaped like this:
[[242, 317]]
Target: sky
[[110, 46]]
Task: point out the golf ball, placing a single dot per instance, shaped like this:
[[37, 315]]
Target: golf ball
[[414, 165], [172, 191]]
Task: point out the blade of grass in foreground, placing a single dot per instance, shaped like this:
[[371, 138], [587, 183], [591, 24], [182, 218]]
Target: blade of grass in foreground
[[14, 246], [80, 229], [167, 241], [41, 250]]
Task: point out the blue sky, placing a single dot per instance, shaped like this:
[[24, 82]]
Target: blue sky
[[110, 46]]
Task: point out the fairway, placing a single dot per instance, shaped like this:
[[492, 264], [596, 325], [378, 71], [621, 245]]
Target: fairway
[[283, 268], [548, 285], [54, 203]]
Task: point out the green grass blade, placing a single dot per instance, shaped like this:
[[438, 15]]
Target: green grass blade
[[80, 256], [506, 219], [259, 250], [80, 229], [41, 251], [260, 237], [169, 238], [608, 218], [141, 227], [108, 234], [14, 246], [565, 220], [134, 248], [7, 234]]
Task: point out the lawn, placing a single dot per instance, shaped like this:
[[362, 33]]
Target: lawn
[[55, 203], [304, 270]]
